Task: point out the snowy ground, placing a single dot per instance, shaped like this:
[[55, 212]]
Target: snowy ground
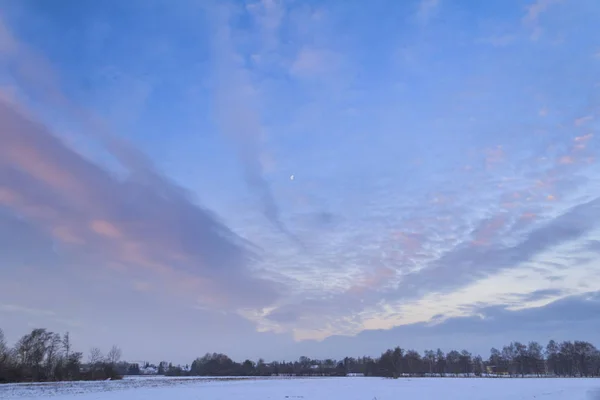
[[311, 389]]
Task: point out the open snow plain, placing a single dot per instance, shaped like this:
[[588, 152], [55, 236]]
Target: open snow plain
[[311, 389]]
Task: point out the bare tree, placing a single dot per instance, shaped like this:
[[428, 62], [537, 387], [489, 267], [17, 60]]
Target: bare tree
[[430, 359], [453, 360], [66, 344], [32, 350], [478, 365], [466, 362], [3, 350], [536, 358], [3, 347], [114, 355], [95, 356], [441, 362], [52, 354]]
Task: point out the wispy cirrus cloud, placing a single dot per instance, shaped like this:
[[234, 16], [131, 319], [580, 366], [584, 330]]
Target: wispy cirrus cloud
[[237, 107], [533, 14], [536, 8]]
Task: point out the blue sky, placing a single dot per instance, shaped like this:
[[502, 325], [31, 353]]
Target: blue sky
[[282, 178]]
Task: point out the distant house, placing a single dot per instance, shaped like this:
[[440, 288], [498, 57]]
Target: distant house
[[355, 374], [151, 370]]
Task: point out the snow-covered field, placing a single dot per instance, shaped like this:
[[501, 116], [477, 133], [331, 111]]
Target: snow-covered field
[[311, 389]]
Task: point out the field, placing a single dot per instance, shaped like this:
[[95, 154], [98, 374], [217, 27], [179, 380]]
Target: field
[[311, 389]]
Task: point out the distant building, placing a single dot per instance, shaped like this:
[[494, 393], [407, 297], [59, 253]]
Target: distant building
[[151, 370]]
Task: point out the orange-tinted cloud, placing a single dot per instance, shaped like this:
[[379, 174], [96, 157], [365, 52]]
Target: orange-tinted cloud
[[149, 225]]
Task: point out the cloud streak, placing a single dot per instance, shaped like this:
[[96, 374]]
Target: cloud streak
[[465, 264], [134, 223], [238, 116]]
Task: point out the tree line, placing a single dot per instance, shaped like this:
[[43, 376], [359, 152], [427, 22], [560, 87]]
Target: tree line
[[42, 356], [565, 359], [45, 356]]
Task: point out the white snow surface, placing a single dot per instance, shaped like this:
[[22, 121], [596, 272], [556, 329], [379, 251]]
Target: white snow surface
[[155, 388]]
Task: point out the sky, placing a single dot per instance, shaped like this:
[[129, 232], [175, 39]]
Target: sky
[[278, 178]]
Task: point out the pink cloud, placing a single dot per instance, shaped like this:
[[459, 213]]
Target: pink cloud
[[148, 225], [583, 120], [584, 138], [106, 229]]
